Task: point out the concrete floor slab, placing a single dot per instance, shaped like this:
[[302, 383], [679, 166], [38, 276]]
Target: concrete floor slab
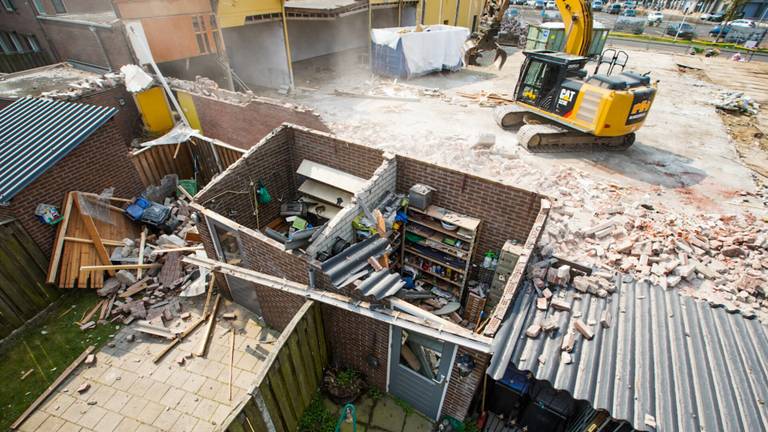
[[388, 415]]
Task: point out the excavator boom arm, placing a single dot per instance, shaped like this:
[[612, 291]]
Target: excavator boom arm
[[577, 17]]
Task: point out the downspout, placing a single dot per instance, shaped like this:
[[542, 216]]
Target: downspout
[[101, 46], [287, 44]]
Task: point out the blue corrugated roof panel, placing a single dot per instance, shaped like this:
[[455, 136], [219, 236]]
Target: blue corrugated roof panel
[[37, 133]]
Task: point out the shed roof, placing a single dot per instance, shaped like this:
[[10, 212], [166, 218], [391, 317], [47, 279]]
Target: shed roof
[[689, 365], [37, 133]]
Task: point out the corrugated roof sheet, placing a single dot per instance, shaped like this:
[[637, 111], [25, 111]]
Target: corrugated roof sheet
[[37, 133], [381, 284], [689, 365], [343, 267]]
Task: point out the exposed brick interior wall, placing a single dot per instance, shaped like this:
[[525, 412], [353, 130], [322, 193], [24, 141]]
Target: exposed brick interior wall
[[352, 338], [244, 126], [97, 163], [461, 390], [262, 255], [507, 213], [270, 162], [127, 117], [323, 148]]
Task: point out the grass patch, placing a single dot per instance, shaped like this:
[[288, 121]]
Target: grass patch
[[695, 42], [48, 349], [317, 418]]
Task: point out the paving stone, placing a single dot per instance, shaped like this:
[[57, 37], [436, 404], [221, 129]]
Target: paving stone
[[92, 416], [388, 415], [75, 412], [34, 421], [166, 419], [58, 404], [109, 422], [172, 397], [206, 408], [222, 411], [193, 383], [134, 407], [203, 426], [150, 412], [147, 428], [51, 424], [117, 401], [185, 423], [69, 427], [157, 390], [417, 423], [127, 425]]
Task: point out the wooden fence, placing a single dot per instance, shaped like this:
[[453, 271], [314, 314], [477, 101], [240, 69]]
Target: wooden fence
[[291, 375], [153, 163], [10, 63], [23, 267]]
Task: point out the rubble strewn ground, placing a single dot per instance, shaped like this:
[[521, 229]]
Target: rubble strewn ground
[[685, 210]]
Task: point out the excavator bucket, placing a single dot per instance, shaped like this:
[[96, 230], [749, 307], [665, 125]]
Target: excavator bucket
[[500, 59]]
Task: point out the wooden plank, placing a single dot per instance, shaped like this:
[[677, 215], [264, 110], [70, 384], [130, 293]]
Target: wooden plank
[[283, 398], [142, 245], [294, 355], [306, 355], [120, 267], [176, 341], [209, 328], [58, 243], [318, 318], [90, 226], [178, 249], [314, 345], [135, 288], [25, 266], [253, 418], [331, 176], [231, 362], [269, 400], [325, 193], [29, 245], [64, 375], [289, 378]]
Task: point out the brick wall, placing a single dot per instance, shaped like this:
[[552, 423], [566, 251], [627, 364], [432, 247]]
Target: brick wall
[[461, 390], [244, 125], [328, 150], [127, 117], [507, 213], [77, 42], [352, 338], [99, 162], [270, 162], [24, 22]]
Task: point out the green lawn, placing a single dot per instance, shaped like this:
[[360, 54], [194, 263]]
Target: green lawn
[[696, 42], [48, 349]]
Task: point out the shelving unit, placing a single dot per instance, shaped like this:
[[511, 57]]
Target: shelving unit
[[441, 255]]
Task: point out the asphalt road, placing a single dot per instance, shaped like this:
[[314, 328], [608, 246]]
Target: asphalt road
[[702, 28]]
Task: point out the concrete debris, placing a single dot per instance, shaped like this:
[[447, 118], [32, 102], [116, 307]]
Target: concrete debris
[[737, 102], [560, 304], [83, 388], [533, 331], [584, 329]]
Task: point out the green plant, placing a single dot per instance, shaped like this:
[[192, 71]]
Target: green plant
[[317, 418], [375, 394], [347, 377], [470, 425], [405, 406]]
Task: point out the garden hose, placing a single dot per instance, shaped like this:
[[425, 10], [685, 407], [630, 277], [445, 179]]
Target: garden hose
[[348, 410]]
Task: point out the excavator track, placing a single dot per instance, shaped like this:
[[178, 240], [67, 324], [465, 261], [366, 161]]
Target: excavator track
[[509, 116], [547, 138]]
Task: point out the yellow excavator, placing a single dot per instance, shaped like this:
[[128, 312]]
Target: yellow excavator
[[559, 107]]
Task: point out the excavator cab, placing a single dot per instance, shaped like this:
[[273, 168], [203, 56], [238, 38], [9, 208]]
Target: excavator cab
[[544, 80]]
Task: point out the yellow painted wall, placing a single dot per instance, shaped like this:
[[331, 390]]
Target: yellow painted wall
[[440, 11], [154, 109], [190, 111], [232, 13]]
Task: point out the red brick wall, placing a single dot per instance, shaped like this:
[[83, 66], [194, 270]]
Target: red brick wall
[[352, 338], [244, 126], [127, 117], [507, 213], [24, 22], [269, 162], [353, 158], [99, 162], [461, 390], [77, 42]]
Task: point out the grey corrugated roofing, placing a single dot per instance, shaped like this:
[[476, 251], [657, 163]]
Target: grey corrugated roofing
[[37, 133], [381, 284], [689, 365], [343, 267]]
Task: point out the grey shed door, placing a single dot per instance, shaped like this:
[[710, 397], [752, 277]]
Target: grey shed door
[[227, 244], [419, 367]]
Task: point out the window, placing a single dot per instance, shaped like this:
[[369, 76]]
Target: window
[[5, 44], [39, 7], [418, 357], [33, 43], [9, 5], [206, 34], [16, 42], [58, 6]]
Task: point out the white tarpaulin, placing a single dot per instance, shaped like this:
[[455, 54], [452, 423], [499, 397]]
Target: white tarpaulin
[[136, 79], [435, 48], [180, 133]]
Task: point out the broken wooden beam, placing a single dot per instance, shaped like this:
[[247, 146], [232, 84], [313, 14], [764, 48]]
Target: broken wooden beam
[[178, 339], [93, 232], [209, 328], [112, 268], [142, 244]]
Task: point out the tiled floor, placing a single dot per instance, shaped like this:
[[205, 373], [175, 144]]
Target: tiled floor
[[383, 415], [128, 392]]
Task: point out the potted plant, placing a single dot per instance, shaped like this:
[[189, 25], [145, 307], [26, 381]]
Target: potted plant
[[343, 385]]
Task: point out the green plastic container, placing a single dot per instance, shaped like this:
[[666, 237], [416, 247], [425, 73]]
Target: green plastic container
[[188, 185]]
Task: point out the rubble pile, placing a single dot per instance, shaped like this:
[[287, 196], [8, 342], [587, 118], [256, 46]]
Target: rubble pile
[[84, 86], [720, 258], [514, 31], [737, 102], [150, 296]]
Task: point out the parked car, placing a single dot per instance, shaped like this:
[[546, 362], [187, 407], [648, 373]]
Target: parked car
[[716, 30], [713, 17], [550, 5], [655, 18], [540, 4], [614, 9], [597, 6], [531, 3], [629, 5], [743, 23], [682, 30], [518, 2], [629, 13]]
